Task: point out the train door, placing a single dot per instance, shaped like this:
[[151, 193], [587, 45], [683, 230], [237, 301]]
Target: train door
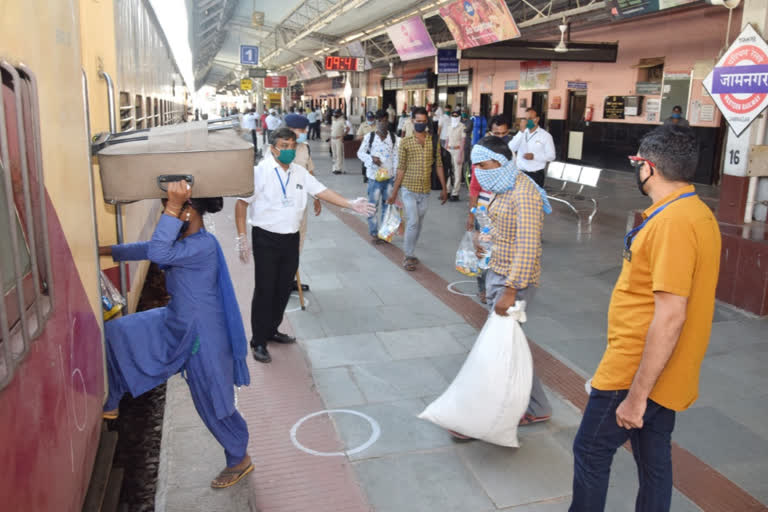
[[485, 106], [510, 107], [574, 125], [389, 98], [540, 102]]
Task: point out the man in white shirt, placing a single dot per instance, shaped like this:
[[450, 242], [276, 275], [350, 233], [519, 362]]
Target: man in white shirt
[[248, 123], [405, 126], [378, 152], [391, 117], [454, 143], [273, 123], [534, 148], [275, 210], [312, 118], [443, 122]]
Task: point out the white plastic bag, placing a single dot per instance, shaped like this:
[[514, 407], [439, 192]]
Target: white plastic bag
[[390, 224], [466, 259], [491, 391]]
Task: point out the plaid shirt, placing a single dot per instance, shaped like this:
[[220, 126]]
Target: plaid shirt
[[517, 219], [415, 161]]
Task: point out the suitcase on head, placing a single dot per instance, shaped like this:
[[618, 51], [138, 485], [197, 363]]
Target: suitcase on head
[[217, 163]]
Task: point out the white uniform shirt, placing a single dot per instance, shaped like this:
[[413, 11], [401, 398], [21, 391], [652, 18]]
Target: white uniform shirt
[[249, 122], [312, 117], [384, 149], [270, 208], [539, 143], [445, 125], [273, 122]]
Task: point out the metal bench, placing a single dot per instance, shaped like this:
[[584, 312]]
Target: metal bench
[[571, 176]]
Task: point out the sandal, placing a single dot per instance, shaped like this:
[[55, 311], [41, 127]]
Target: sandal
[[481, 298], [230, 476], [111, 415], [409, 264], [459, 437], [530, 419]]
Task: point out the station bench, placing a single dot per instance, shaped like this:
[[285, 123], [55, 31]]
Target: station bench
[[572, 180]]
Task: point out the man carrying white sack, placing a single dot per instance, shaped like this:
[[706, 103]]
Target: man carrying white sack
[[517, 217]]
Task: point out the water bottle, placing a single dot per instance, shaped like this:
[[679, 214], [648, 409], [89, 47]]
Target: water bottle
[[484, 239], [481, 216]]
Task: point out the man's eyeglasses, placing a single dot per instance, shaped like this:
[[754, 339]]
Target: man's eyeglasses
[[638, 161]]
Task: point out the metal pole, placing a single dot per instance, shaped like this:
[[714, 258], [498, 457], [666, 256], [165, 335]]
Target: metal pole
[[118, 207]]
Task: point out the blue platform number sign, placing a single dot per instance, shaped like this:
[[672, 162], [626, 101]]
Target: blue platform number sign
[[249, 55]]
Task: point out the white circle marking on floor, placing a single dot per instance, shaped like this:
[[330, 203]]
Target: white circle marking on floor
[[375, 433], [456, 292], [298, 308]]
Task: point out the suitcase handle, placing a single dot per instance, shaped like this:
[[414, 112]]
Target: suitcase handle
[[164, 179]]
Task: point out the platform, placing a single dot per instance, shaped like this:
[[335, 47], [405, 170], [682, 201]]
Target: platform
[[381, 343]]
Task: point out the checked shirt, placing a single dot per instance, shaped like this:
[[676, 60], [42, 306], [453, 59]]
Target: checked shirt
[[517, 219], [416, 161]]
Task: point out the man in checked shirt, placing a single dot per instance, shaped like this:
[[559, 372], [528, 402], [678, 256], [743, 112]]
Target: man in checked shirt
[[517, 216]]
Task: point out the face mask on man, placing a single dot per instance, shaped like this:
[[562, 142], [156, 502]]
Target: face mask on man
[[370, 121], [641, 182], [455, 120], [286, 156], [302, 137], [382, 127], [530, 124], [420, 127]]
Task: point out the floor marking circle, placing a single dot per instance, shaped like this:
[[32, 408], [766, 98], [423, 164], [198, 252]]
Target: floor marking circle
[[298, 308], [375, 433], [456, 292]]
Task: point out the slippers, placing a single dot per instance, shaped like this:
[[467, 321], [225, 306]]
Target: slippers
[[227, 473], [111, 415], [459, 437], [530, 419], [409, 264]]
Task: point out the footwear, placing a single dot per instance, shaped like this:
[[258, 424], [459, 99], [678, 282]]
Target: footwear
[[530, 419], [230, 476], [454, 199], [365, 180], [280, 337], [295, 287], [111, 415], [409, 264], [261, 354], [481, 298], [459, 437], [336, 172]]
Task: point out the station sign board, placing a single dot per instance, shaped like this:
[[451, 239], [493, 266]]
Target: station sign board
[[739, 82], [249, 55], [246, 84], [447, 61], [276, 82], [257, 72]]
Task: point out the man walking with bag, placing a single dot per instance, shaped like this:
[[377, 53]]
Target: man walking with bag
[[659, 322], [378, 152]]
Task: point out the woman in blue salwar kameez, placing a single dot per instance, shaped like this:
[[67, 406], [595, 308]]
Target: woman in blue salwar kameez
[[199, 333]]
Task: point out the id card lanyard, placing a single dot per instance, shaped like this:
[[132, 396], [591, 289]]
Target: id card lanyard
[[286, 201], [633, 233]]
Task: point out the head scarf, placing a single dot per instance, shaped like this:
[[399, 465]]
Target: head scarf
[[503, 178]]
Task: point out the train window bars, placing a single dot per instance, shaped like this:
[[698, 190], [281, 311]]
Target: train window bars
[[25, 256], [139, 109], [126, 112]]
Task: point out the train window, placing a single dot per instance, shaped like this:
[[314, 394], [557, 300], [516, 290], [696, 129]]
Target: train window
[[139, 110], [156, 112], [126, 112], [148, 113], [25, 260]]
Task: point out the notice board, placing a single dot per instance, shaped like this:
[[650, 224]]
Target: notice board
[[613, 108]]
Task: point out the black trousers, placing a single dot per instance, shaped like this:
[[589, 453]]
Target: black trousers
[[275, 262], [537, 177], [255, 143], [315, 130]]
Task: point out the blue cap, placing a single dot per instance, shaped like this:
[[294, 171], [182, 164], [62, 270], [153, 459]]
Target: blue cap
[[296, 121], [369, 115]]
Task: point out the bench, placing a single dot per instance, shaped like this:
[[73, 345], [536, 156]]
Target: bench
[[571, 176]]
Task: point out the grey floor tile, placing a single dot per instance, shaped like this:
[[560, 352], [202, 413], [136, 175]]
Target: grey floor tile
[[337, 388], [539, 470], [398, 380], [401, 430], [448, 365], [558, 505], [423, 482], [420, 342], [345, 350], [750, 476]]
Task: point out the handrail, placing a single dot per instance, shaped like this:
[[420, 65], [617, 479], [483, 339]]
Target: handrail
[[118, 207]]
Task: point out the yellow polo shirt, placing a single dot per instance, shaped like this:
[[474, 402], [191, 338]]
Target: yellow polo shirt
[[677, 252]]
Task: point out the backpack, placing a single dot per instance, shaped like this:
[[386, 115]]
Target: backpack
[[370, 140]]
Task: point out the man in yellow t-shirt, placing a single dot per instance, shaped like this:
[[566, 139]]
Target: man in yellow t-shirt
[[659, 322]]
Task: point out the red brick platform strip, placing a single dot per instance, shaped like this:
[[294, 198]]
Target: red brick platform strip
[[286, 479], [701, 483]]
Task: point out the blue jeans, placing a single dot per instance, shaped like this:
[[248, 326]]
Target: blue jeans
[[415, 205], [599, 437], [378, 193]]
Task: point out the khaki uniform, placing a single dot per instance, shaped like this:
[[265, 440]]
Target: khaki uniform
[[337, 143]]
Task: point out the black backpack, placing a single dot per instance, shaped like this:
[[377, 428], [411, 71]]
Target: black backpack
[[370, 140]]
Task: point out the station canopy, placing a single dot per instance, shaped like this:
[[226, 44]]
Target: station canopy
[[293, 32]]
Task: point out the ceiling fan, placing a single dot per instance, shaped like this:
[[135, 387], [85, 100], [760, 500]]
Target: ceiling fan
[[562, 46]]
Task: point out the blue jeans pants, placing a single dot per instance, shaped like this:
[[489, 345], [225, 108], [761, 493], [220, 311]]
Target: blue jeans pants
[[415, 205], [599, 437], [378, 193]]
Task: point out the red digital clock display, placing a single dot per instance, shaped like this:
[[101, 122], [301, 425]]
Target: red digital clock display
[[341, 63]]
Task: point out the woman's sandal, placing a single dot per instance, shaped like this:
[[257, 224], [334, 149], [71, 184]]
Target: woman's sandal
[[409, 264], [111, 415], [530, 419], [230, 476]]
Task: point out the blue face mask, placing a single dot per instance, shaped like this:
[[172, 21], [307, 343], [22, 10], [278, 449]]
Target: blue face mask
[[675, 115], [301, 138]]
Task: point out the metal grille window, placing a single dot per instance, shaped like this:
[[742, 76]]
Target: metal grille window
[[139, 109], [156, 111], [25, 259], [126, 112], [148, 113]]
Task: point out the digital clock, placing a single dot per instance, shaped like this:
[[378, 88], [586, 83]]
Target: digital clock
[[341, 63]]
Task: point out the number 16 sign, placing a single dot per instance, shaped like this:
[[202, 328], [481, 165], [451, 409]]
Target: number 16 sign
[[249, 55]]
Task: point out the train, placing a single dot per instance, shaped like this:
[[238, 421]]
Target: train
[[70, 70]]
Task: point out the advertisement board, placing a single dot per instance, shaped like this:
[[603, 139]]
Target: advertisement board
[[276, 82], [411, 39], [479, 22]]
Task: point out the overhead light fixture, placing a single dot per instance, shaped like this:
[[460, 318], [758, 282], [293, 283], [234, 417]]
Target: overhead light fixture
[[391, 70], [561, 46]]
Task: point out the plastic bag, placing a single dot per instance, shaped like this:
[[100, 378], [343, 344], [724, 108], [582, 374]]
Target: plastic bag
[[491, 391], [466, 259], [390, 224], [111, 300]]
